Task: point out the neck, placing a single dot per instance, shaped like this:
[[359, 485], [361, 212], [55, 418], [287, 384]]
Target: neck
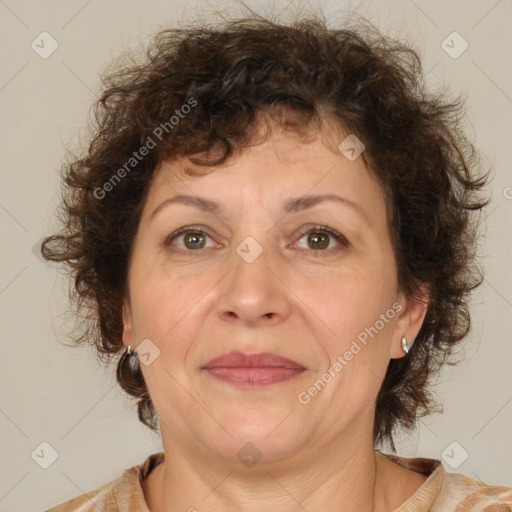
[[342, 476]]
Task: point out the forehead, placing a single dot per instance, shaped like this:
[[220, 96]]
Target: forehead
[[268, 173]]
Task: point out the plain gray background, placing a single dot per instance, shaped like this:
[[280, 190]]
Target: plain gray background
[[61, 396]]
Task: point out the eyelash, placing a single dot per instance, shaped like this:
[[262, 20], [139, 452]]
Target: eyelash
[[315, 229], [325, 229]]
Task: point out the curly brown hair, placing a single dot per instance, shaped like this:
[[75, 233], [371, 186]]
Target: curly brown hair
[[228, 76]]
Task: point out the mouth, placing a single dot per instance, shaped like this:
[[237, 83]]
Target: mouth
[[253, 370]]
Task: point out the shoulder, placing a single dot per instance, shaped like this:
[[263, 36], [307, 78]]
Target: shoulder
[[443, 491], [102, 499], [121, 495], [460, 492]]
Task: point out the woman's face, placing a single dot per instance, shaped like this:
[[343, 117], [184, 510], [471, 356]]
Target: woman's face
[[252, 281]]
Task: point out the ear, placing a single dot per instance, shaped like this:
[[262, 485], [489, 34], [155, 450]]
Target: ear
[[409, 320], [128, 330]]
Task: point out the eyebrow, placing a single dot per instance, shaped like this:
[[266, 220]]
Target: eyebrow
[[293, 204]]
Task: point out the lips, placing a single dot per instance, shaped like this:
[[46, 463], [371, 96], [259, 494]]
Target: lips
[[253, 370], [261, 360]]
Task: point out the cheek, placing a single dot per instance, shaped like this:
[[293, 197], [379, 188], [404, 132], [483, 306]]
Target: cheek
[[358, 320], [354, 300], [168, 310]]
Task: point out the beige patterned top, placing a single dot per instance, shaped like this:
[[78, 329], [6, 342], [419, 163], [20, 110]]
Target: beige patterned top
[[441, 492]]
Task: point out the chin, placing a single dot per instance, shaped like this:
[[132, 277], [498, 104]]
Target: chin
[[259, 436]]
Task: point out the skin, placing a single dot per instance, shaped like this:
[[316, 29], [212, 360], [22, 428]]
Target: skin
[[198, 301]]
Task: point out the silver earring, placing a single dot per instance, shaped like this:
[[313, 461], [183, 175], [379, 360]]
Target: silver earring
[[404, 345], [130, 352]]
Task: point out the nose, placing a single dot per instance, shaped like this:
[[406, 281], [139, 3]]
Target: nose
[[253, 291]]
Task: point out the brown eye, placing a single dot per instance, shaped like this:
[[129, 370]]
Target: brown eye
[[319, 238], [192, 240]]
